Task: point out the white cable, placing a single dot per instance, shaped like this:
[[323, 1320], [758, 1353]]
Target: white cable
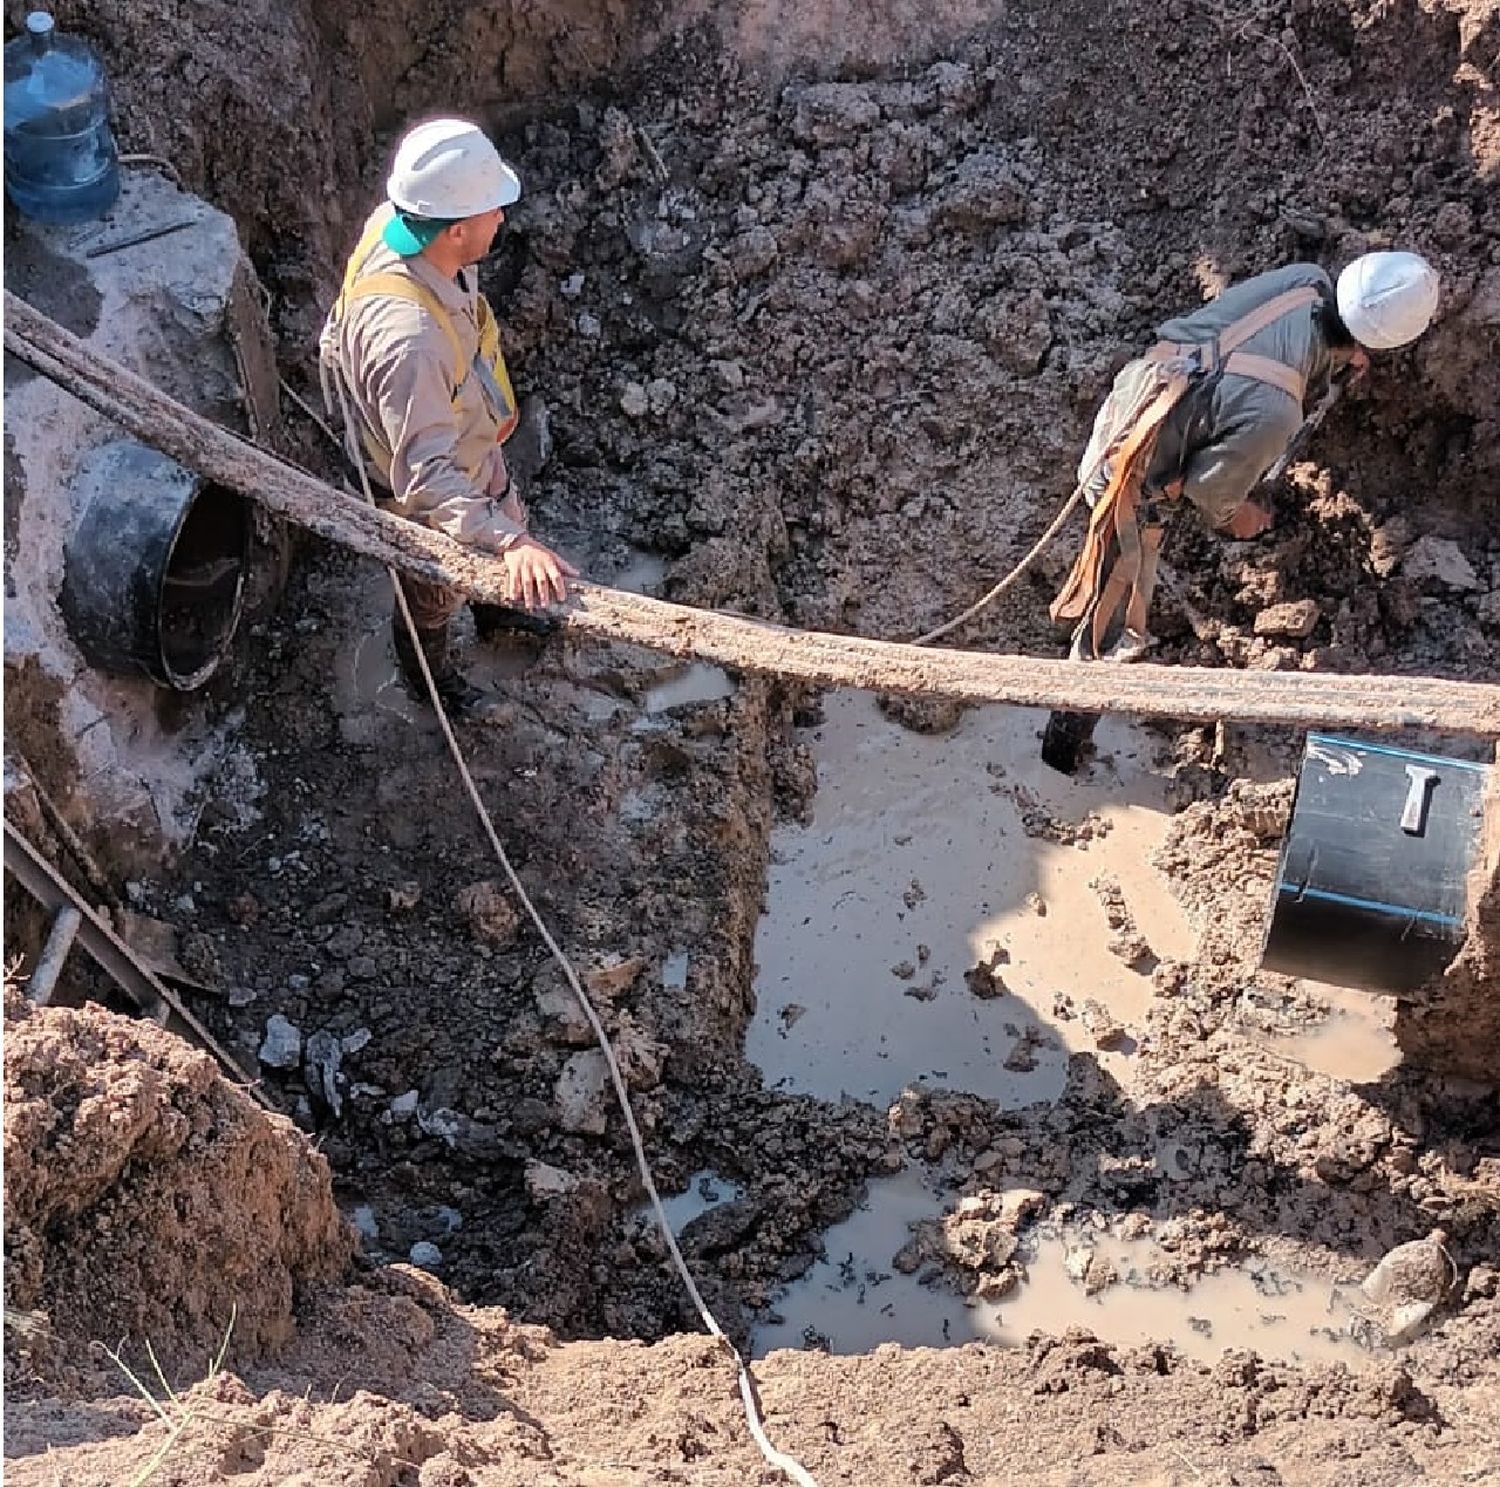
[[753, 1416]]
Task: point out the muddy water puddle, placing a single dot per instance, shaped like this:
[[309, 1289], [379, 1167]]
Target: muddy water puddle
[[854, 1299], [1355, 1043], [927, 855], [694, 684]]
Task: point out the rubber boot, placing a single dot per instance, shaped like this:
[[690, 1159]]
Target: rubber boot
[[494, 621], [461, 699], [1068, 740]]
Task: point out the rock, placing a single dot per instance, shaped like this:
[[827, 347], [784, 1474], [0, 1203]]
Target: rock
[[486, 907], [984, 981], [748, 255], [243, 909], [985, 194], [1102, 1025], [562, 1017], [426, 1255], [634, 402], [619, 148], [1488, 610], [660, 394], [612, 976], [325, 1051], [1077, 1260], [922, 714], [1407, 1285], [281, 1048], [582, 1094], [1436, 561], [729, 375], [903, 970], [357, 1040], [403, 1107], [401, 898], [591, 328], [640, 1057], [992, 1285], [365, 1223], [1295, 619], [827, 114], [1388, 543], [1020, 1204], [1099, 1275], [545, 1182]]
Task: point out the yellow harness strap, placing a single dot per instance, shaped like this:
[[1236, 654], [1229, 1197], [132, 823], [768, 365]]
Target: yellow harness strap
[[394, 284]]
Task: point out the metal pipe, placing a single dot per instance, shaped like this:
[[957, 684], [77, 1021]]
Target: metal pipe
[[49, 963]]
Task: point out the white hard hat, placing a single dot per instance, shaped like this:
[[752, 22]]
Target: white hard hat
[[447, 169], [1388, 299]]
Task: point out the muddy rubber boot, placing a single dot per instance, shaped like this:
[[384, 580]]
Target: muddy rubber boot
[[1068, 740], [496, 621], [461, 699]]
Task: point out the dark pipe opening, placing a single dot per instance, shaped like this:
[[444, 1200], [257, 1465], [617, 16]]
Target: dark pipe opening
[[156, 567], [202, 585]]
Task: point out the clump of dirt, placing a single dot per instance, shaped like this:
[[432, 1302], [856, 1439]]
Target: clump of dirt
[[147, 1202]]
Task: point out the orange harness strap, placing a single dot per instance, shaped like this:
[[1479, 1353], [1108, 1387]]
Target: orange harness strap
[[1090, 592]]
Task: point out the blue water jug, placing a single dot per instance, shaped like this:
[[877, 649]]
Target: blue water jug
[[61, 164]]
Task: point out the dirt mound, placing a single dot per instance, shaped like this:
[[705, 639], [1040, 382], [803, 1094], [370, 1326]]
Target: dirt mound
[[147, 1200], [450, 1396]]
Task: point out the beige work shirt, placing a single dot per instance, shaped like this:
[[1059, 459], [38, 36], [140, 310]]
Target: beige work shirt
[[431, 425]]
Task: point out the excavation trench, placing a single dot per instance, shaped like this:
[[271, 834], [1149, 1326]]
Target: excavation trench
[[818, 331]]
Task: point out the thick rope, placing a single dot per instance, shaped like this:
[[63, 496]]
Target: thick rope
[[1038, 548], [754, 1418]]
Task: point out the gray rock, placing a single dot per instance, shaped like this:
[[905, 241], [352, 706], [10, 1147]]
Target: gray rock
[[324, 1053], [427, 1256], [281, 1048], [403, 1107], [1296, 619], [582, 1093], [1440, 562], [634, 403]]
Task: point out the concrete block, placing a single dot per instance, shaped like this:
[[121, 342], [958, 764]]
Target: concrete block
[[183, 308]]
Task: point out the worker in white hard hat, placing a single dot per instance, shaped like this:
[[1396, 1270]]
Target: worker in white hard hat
[[1211, 408], [1204, 414], [411, 358]]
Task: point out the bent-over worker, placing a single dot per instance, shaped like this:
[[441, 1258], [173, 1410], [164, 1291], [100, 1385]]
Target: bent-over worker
[[411, 358], [1209, 410]]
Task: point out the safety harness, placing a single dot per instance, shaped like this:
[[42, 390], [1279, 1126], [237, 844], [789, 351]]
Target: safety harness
[[398, 282], [1096, 593]]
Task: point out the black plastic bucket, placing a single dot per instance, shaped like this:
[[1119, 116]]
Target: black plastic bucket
[[155, 572], [1372, 887]]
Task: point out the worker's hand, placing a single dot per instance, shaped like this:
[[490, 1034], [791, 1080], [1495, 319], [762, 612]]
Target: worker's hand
[[1248, 520], [534, 575]]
